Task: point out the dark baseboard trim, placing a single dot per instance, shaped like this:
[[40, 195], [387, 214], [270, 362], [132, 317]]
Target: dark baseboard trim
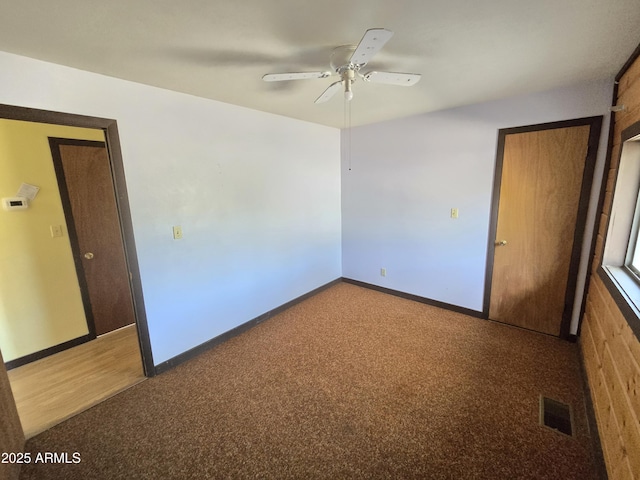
[[32, 357], [189, 354], [194, 352], [415, 298], [596, 446]]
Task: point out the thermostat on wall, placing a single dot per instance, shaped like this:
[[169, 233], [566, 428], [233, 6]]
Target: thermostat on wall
[[15, 203]]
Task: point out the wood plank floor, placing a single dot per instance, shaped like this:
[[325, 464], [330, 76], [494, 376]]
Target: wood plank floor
[[55, 388]]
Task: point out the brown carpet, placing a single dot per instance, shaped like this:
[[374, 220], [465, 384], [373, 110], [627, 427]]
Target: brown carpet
[[351, 383]]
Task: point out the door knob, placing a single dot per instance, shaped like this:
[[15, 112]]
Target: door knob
[[501, 243], [88, 255]]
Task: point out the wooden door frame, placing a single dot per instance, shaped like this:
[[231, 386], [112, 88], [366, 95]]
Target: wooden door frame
[[110, 129], [595, 125]]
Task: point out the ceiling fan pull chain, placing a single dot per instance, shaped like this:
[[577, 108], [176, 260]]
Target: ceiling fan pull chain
[[347, 135]]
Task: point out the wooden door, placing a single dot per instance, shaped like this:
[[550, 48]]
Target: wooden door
[[536, 244], [86, 186]]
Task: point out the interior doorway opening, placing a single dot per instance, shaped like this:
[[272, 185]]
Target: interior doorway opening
[[111, 145]]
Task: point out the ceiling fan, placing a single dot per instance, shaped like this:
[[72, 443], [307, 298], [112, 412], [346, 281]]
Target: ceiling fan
[[347, 61]]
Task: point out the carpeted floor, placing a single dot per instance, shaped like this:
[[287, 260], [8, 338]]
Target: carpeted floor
[[351, 383]]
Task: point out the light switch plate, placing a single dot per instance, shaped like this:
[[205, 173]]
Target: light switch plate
[[56, 230], [177, 232]]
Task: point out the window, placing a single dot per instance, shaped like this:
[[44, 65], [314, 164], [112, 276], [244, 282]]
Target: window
[[621, 257], [632, 261]]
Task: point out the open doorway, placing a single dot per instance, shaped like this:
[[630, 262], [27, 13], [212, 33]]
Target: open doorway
[[112, 156]]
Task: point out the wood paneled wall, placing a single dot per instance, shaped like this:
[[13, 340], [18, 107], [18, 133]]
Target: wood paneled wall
[[610, 349], [11, 436]]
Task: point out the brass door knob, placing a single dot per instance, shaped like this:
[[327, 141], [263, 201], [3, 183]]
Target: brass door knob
[[88, 255], [500, 243]]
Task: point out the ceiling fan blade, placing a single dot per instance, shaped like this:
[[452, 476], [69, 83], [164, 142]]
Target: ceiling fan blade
[[372, 41], [278, 77], [329, 92], [393, 78]]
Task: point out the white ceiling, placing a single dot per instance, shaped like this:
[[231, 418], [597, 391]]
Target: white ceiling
[[467, 51]]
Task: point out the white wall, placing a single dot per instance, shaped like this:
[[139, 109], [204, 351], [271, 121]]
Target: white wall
[[257, 196], [407, 174]]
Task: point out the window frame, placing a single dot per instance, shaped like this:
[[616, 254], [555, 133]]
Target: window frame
[[634, 246], [623, 233]]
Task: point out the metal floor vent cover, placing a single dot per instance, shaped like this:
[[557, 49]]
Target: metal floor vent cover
[[556, 415]]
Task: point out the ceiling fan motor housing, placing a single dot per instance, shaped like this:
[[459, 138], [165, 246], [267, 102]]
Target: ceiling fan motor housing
[[341, 58]]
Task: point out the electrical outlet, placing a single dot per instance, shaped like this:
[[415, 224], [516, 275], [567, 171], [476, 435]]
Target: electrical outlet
[[454, 213], [177, 232], [383, 272]]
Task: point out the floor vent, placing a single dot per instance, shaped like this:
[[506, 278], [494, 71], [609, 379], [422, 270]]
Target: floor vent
[[556, 415]]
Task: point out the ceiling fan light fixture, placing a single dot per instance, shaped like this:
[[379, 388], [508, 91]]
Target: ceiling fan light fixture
[[348, 77]]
